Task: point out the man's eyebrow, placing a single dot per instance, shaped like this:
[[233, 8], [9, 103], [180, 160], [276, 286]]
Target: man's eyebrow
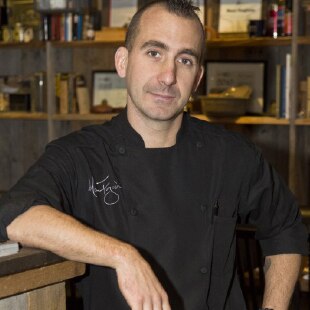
[[161, 45], [154, 43], [190, 52]]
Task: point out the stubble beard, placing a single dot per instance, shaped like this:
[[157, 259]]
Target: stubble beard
[[157, 110]]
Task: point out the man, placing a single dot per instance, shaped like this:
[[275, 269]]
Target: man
[[150, 200]]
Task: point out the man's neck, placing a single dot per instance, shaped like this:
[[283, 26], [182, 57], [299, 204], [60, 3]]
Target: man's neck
[[155, 134]]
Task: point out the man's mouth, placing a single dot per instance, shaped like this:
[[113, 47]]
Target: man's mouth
[[163, 96]]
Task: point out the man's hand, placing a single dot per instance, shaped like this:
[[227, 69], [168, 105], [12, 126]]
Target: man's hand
[[139, 285], [46, 228]]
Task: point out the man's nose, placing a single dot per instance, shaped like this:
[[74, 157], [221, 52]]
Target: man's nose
[[167, 75]]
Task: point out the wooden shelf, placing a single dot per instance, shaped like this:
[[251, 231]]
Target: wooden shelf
[[116, 36], [303, 122], [248, 42], [23, 115], [242, 120], [84, 117], [30, 45]]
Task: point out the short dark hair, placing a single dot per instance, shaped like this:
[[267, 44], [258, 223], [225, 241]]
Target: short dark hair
[[182, 8]]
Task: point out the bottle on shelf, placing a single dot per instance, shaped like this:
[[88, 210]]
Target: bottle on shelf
[[3, 17], [281, 18], [272, 20], [288, 29]]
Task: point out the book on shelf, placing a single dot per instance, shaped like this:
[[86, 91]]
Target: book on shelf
[[302, 99], [308, 98], [67, 26], [279, 69], [283, 88], [8, 248], [280, 91], [72, 94], [82, 95], [288, 66], [63, 94]]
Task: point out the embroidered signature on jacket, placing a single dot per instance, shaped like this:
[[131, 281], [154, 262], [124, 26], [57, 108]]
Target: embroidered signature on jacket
[[109, 190]]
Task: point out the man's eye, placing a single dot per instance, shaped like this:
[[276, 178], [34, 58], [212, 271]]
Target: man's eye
[[186, 61], [153, 54]]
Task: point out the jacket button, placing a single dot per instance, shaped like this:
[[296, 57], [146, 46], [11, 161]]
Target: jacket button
[[203, 208], [134, 212], [122, 150], [199, 144], [203, 270]]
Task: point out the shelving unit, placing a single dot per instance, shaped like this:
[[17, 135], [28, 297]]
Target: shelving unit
[[289, 136], [242, 120]]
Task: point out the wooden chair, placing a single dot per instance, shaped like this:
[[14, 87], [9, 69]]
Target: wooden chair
[[250, 266], [250, 263]]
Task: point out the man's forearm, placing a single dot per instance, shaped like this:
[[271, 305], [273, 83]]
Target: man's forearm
[[281, 274], [46, 228]]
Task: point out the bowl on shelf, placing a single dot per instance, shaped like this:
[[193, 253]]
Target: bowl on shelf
[[216, 106], [232, 101]]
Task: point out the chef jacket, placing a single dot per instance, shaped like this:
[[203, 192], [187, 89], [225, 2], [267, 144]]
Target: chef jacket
[[177, 205]]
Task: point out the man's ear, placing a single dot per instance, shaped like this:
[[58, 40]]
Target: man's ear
[[121, 60], [198, 78]]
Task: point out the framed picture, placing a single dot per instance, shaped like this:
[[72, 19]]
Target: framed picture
[[109, 88], [201, 5], [121, 12], [222, 75], [234, 15]]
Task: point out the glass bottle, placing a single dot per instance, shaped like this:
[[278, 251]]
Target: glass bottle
[[288, 23], [272, 20], [281, 18]]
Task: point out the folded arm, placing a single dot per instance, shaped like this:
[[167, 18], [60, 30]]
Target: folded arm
[[281, 274], [46, 228]]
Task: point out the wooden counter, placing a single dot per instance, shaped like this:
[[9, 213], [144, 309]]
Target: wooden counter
[[35, 280]]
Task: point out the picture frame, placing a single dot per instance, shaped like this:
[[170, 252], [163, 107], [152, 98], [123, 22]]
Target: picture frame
[[121, 12], [108, 88], [221, 75], [201, 5], [234, 15]]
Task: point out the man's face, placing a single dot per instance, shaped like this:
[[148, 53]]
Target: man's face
[[162, 69]]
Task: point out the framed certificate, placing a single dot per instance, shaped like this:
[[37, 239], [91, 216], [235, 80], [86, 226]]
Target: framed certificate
[[234, 16], [109, 89]]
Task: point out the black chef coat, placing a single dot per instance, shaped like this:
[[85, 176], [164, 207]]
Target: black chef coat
[[177, 205]]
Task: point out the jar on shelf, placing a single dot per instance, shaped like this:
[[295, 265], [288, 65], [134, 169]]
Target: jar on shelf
[[18, 33], [7, 35]]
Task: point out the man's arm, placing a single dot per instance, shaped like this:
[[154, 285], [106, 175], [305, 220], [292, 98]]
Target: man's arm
[[281, 274], [46, 228]]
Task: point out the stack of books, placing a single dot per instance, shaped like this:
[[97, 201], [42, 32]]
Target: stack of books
[[8, 248]]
